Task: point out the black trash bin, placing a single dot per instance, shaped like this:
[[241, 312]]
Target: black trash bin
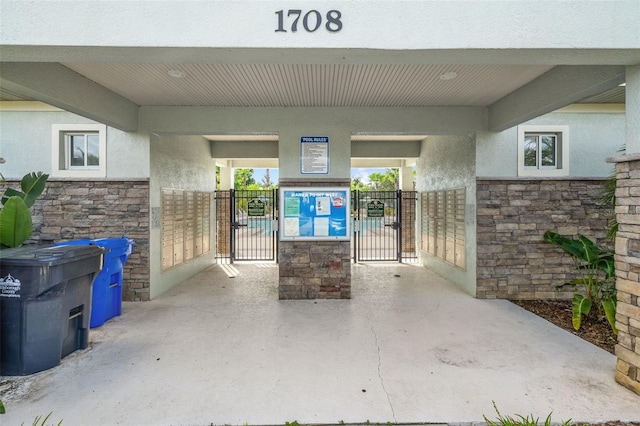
[[45, 305]]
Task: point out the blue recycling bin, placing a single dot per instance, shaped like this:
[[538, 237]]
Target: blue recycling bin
[[106, 301]]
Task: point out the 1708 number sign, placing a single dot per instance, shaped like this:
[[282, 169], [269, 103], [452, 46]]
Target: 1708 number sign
[[311, 20]]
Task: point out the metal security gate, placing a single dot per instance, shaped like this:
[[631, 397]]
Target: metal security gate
[[247, 225], [384, 226]]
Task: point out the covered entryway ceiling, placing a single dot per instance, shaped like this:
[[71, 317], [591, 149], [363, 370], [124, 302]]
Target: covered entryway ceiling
[[376, 83], [311, 85], [118, 86]]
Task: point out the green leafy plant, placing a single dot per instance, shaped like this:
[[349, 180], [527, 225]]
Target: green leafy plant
[[15, 217], [596, 267], [519, 420], [38, 421], [42, 421]]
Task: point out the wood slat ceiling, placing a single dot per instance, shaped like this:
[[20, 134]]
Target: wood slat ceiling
[[280, 85], [368, 85], [613, 96]]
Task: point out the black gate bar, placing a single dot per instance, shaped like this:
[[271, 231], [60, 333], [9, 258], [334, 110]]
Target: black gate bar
[[384, 226]]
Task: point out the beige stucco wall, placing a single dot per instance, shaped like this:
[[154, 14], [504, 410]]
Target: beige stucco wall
[[26, 134], [448, 162], [179, 162]]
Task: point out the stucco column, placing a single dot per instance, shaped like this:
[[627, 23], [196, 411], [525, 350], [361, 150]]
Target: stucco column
[[406, 178], [314, 268], [632, 108], [628, 242], [226, 178]]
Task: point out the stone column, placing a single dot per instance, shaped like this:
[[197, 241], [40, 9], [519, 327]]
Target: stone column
[[223, 212], [628, 272], [223, 223], [408, 220], [628, 242], [314, 269]]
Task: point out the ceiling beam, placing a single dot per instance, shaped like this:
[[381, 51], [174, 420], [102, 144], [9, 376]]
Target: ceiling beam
[[557, 88], [253, 163], [385, 149], [244, 149], [240, 120], [56, 85], [381, 163]]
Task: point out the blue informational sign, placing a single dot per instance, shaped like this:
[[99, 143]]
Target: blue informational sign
[[315, 213]]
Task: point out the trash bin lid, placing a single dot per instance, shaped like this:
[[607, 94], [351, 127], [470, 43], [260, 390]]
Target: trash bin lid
[[113, 242], [47, 255], [81, 242]]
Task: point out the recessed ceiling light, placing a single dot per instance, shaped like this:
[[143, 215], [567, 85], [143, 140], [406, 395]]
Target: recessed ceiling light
[[176, 73], [449, 75]]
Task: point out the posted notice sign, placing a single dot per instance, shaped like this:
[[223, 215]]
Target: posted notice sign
[[314, 213], [314, 154], [255, 207]]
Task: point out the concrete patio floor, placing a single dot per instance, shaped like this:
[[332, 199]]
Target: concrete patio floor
[[409, 347]]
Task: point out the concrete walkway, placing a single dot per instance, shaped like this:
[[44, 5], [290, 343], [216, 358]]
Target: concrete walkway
[[408, 348]]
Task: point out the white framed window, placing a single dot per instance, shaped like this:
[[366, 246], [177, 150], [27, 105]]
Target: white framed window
[[543, 150], [79, 150]]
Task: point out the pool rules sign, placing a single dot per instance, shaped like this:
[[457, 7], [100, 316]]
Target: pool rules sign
[[314, 155]]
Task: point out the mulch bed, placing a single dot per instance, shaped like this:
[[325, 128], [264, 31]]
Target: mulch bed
[[594, 330]]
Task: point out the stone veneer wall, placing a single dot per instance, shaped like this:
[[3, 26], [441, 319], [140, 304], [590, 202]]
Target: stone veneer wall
[[223, 224], [74, 209], [628, 273], [512, 216], [408, 221], [314, 269]]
